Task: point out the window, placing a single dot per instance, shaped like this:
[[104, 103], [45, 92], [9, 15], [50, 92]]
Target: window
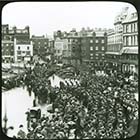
[[23, 52], [7, 45], [18, 52], [28, 53], [136, 40], [91, 54], [97, 40], [91, 57], [96, 57], [91, 48], [38, 42], [103, 54], [97, 54], [91, 41], [96, 48], [127, 28], [124, 40], [103, 41], [132, 40], [124, 28], [132, 27], [136, 27], [19, 57], [18, 47], [127, 39], [103, 48], [27, 47]]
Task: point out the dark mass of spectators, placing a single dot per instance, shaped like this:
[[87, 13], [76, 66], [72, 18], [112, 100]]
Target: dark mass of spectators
[[101, 106], [12, 82]]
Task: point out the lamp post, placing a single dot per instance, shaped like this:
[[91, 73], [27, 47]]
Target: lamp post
[[5, 119]]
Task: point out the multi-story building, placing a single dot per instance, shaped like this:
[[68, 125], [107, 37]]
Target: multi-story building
[[129, 57], [122, 45], [16, 44], [74, 50], [60, 48], [93, 47], [40, 46], [23, 48], [7, 51], [5, 31], [84, 47], [115, 41], [51, 46], [11, 33], [23, 52]]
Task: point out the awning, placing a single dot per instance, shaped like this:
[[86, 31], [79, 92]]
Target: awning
[[129, 50], [114, 53]]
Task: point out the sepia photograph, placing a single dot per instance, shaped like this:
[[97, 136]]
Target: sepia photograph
[[69, 70]]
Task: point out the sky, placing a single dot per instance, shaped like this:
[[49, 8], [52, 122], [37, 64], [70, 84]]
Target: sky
[[46, 17]]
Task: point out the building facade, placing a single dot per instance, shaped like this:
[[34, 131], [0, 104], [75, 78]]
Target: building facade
[[7, 51], [23, 52], [85, 47], [129, 57], [122, 43], [11, 38], [60, 49], [40, 46], [93, 48], [115, 42]]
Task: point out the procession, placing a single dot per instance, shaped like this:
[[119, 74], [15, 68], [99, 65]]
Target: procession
[[103, 103], [69, 72]]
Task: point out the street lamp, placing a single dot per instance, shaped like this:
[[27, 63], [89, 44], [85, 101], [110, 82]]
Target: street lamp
[[5, 119]]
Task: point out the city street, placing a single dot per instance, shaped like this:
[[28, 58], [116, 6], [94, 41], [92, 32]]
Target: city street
[[16, 102], [73, 76]]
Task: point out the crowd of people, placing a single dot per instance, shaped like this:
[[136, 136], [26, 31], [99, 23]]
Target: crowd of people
[[12, 82], [99, 106]]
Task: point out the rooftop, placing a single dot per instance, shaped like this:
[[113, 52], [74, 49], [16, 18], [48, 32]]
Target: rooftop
[[131, 17]]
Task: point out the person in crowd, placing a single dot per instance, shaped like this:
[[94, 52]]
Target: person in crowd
[[97, 106], [21, 134]]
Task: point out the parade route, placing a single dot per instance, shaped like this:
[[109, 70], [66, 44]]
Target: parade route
[[16, 102]]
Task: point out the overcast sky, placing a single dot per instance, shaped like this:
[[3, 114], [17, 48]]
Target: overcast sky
[[47, 17]]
